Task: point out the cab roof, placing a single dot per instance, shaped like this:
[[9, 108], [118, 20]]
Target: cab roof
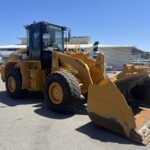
[[46, 23]]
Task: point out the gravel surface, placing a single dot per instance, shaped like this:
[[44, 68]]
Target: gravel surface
[[25, 124]]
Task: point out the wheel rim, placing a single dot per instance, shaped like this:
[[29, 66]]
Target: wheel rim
[[56, 93], [11, 84]]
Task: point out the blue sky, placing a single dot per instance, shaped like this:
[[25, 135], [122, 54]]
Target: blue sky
[[124, 22]]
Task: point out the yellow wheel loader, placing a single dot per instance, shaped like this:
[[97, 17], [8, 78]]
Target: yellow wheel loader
[[120, 104]]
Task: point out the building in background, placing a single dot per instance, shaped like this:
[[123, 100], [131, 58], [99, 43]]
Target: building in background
[[79, 40], [6, 50], [115, 55], [23, 40]]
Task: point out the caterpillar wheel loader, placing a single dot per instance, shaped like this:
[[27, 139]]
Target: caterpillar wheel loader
[[120, 104]]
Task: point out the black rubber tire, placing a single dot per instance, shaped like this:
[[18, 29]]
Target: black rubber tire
[[71, 92], [18, 93]]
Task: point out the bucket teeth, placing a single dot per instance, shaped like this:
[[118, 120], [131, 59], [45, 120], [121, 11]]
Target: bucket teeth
[[144, 132], [141, 135]]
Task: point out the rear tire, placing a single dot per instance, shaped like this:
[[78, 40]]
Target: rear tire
[[67, 92], [14, 84]]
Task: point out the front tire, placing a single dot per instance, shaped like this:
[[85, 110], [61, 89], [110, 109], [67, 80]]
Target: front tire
[[62, 92]]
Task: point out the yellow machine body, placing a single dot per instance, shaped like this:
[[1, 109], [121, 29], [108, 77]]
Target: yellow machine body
[[108, 98], [87, 71]]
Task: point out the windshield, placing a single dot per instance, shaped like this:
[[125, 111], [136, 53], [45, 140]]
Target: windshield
[[53, 39]]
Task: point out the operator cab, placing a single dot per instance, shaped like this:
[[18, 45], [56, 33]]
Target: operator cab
[[43, 39]]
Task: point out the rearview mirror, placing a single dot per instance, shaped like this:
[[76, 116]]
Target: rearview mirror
[[69, 35]]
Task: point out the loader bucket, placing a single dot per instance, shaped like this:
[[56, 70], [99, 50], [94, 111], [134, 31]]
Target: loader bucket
[[122, 106]]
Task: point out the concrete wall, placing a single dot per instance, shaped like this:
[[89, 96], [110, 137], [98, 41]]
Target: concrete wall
[[80, 40], [116, 56]]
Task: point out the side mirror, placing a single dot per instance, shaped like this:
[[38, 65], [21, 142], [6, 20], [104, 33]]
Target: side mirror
[[95, 46]]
